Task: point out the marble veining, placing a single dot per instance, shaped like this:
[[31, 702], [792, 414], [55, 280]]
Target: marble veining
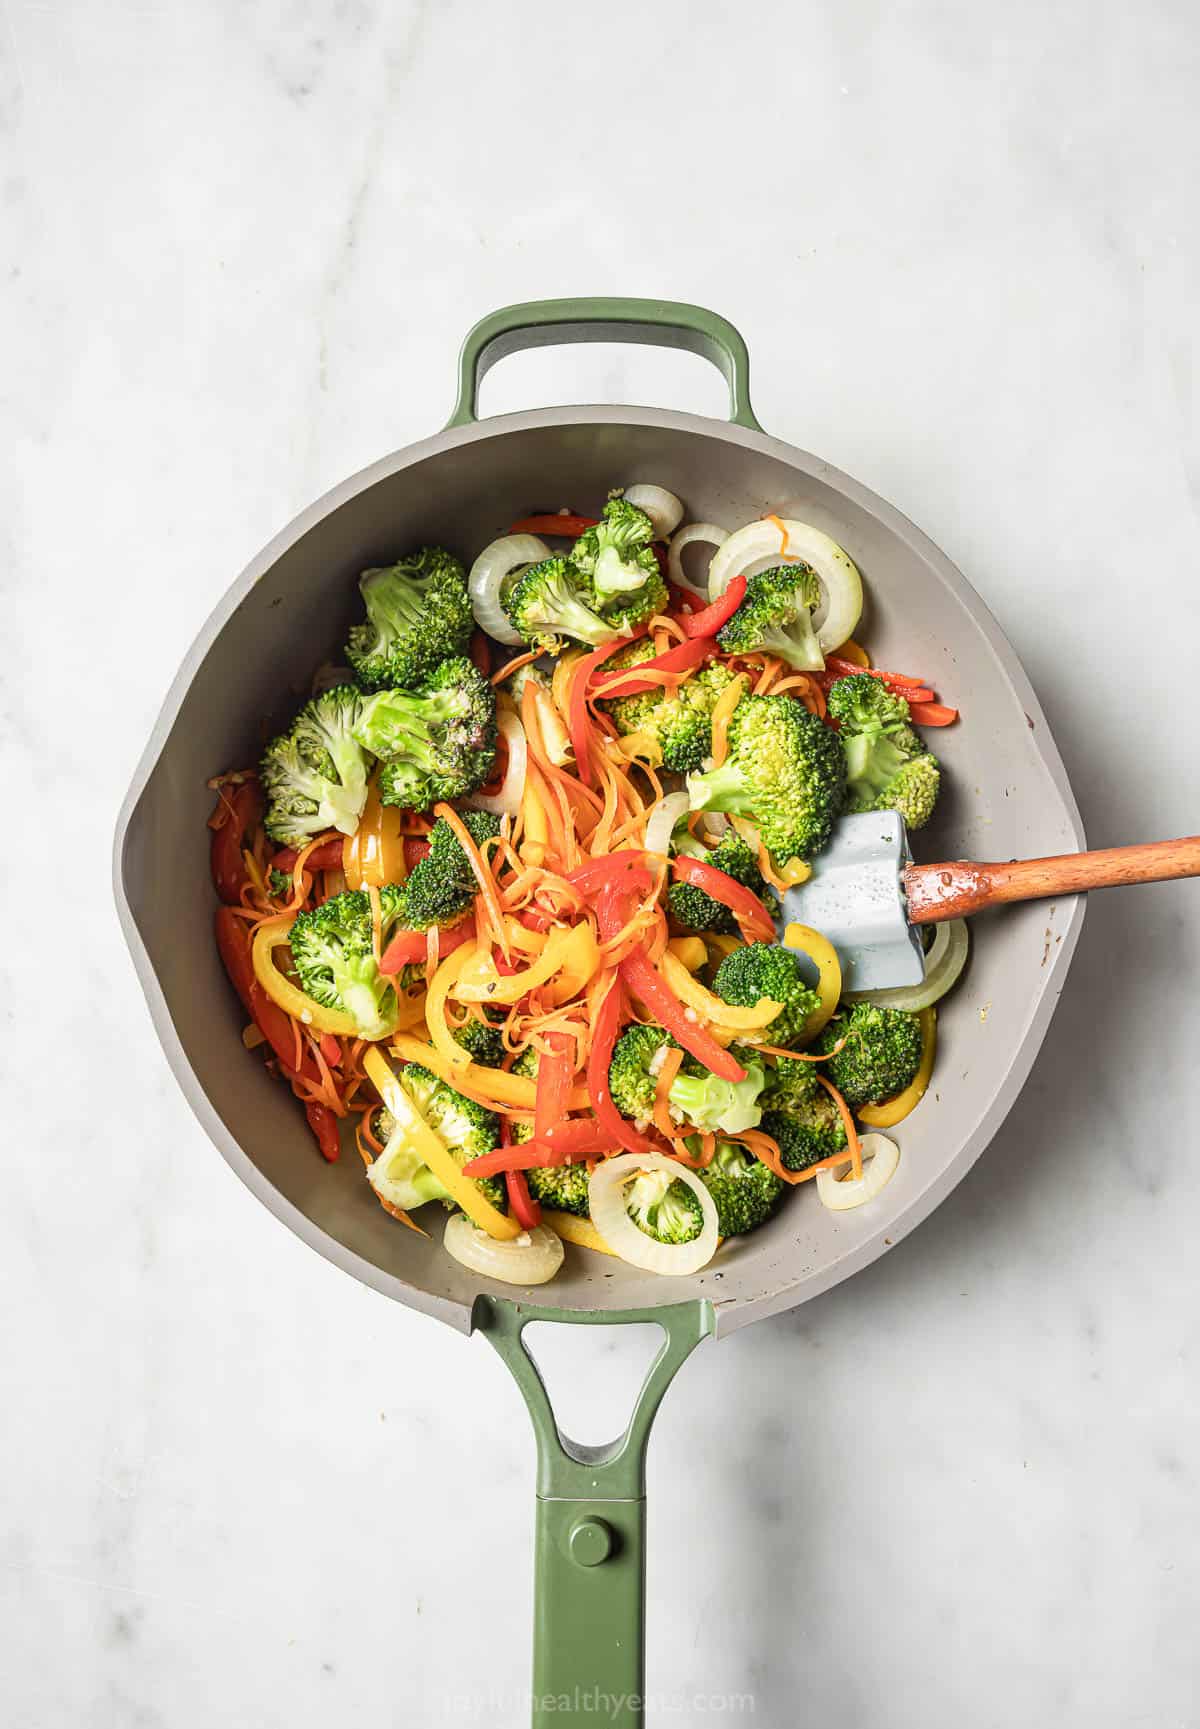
[[243, 242]]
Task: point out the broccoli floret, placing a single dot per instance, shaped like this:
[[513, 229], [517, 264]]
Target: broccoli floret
[[746, 1191], [680, 721], [696, 910], [786, 770], [776, 615], [553, 600], [400, 1175], [697, 1098], [435, 742], [615, 555], [663, 1207], [860, 703], [333, 954], [768, 970], [626, 611], [881, 1056], [564, 1187], [279, 884], [482, 1041], [888, 767], [418, 613], [315, 774], [801, 1116], [441, 888]]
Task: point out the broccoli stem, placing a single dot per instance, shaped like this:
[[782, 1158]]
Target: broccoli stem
[[721, 789]]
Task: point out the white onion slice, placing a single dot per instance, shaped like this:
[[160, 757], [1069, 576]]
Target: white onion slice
[[488, 573], [661, 506], [705, 532], [507, 801], [606, 1203], [533, 1258], [663, 819], [943, 964], [757, 547], [880, 1158]]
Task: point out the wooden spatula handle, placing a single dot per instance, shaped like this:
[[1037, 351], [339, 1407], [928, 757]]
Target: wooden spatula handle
[[952, 891]]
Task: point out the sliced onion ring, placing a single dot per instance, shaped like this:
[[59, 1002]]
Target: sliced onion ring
[[757, 547], [945, 961], [710, 535], [533, 1258], [661, 506], [662, 821], [488, 573], [606, 1203], [880, 1158], [507, 801]]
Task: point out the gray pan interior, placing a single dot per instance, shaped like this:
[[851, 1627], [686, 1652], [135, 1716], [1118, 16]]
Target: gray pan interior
[[1008, 796]]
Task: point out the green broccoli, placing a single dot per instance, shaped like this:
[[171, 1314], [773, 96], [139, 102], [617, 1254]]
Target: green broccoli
[[483, 1042], [441, 888], [693, 907], [315, 774], [785, 770], [435, 742], [627, 611], [400, 1175], [881, 1055], [553, 600], [746, 1191], [776, 616], [333, 954], [768, 970], [663, 1207], [697, 1098], [418, 613], [888, 766], [801, 1116], [279, 884], [615, 555], [680, 721]]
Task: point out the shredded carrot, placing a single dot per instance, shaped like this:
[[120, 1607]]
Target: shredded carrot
[[722, 714], [669, 626], [771, 668], [784, 537], [515, 665], [479, 870], [843, 1109], [666, 1078]]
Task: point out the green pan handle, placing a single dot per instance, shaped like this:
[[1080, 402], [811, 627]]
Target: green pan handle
[[659, 323], [590, 1543]]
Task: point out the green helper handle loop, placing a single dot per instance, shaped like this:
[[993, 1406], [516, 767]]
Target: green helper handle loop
[[659, 323], [590, 1543]]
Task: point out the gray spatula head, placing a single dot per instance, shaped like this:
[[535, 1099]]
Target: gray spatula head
[[854, 898]]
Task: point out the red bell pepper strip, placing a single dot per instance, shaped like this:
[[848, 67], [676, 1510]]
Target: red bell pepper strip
[[326, 857], [649, 673], [331, 1050], [225, 853], [604, 1038], [409, 948], [534, 920], [553, 1084], [233, 946], [526, 1211], [754, 921], [847, 668], [708, 621], [413, 850], [933, 714], [323, 1124], [567, 1144], [616, 870], [578, 724], [568, 527], [644, 981]]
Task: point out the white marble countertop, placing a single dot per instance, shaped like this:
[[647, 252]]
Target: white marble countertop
[[244, 243]]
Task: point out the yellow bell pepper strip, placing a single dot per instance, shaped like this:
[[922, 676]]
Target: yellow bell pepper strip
[[893, 1111], [494, 1088], [374, 854], [434, 1151], [853, 651], [719, 946], [289, 997], [829, 973], [571, 952], [579, 964], [572, 1229], [691, 992], [439, 987], [535, 842], [690, 952]]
